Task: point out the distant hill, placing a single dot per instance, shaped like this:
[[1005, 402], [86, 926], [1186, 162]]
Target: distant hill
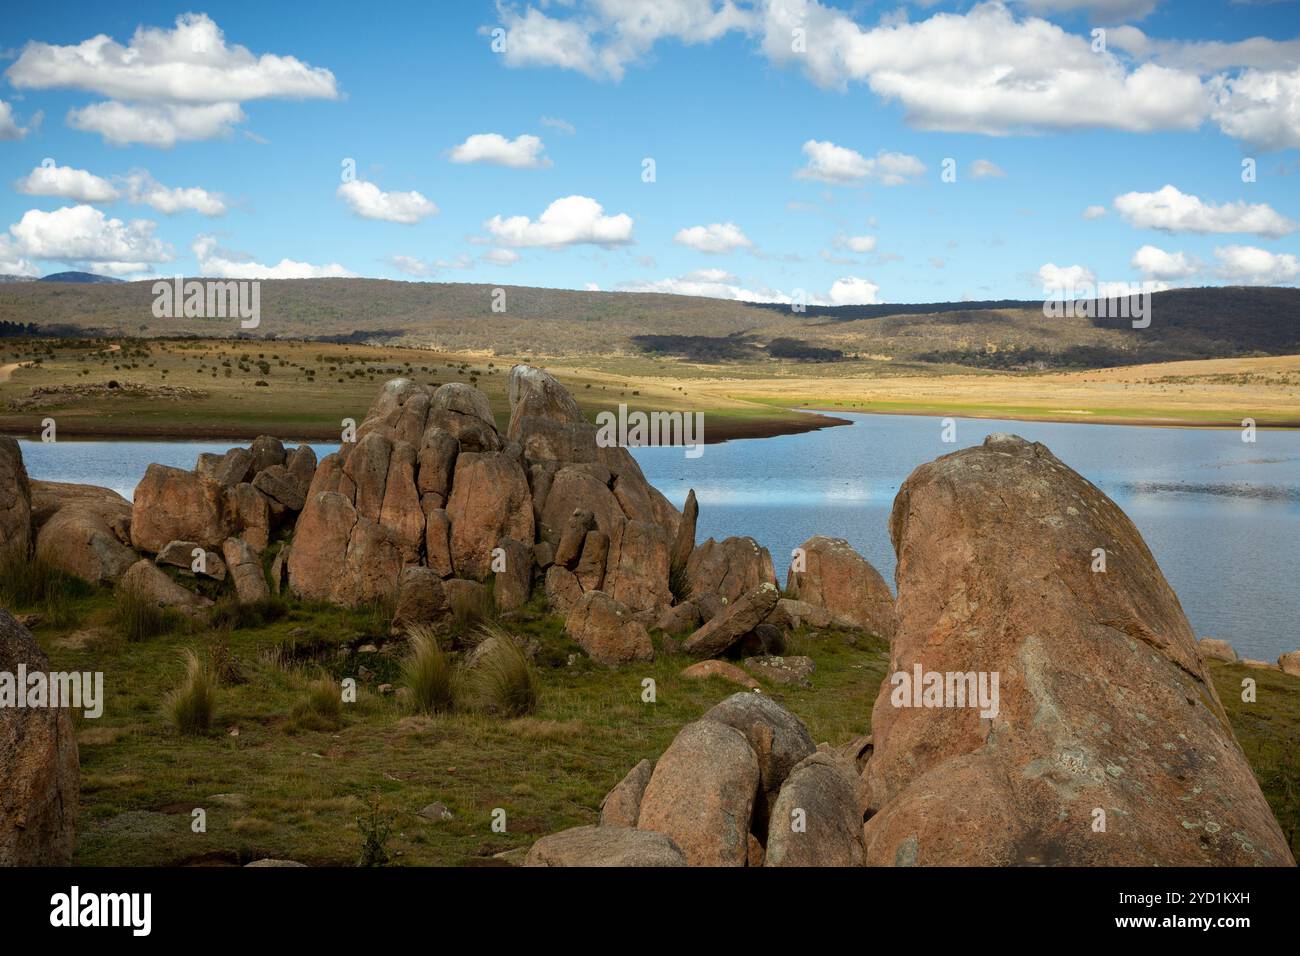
[[89, 277], [9, 278], [1215, 322]]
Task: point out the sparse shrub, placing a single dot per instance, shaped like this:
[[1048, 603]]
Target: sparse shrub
[[190, 705], [427, 673], [137, 616], [225, 666], [31, 583], [375, 827], [498, 677]]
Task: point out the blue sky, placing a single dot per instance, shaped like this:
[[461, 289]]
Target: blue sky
[[776, 170]]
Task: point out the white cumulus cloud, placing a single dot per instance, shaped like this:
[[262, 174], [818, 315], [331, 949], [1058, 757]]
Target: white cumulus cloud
[[1170, 210], [79, 185], [840, 166], [9, 128], [858, 244], [996, 68], [165, 85], [717, 237], [83, 235], [370, 202], [161, 125], [852, 290], [522, 152], [1254, 266], [1155, 263], [565, 222], [143, 189], [1052, 276], [613, 33]]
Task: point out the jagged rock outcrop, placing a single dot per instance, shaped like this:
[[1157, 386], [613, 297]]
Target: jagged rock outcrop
[[489, 501], [513, 579], [183, 555], [172, 504], [605, 628], [793, 614], [422, 600], [684, 543], [729, 568], [15, 500], [836, 578], [734, 622], [39, 774], [430, 482], [1104, 714], [245, 569]]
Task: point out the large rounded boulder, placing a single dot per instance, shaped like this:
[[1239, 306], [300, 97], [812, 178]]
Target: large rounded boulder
[[829, 574], [1105, 742]]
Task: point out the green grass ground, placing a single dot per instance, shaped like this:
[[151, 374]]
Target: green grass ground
[[283, 788], [275, 784]]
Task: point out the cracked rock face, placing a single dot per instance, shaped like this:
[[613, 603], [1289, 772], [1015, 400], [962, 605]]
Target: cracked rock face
[[1103, 703]]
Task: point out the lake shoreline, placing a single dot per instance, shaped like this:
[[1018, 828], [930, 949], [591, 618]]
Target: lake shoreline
[[1022, 416], [726, 429]]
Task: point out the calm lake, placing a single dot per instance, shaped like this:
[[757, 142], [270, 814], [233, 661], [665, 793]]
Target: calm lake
[[1221, 516]]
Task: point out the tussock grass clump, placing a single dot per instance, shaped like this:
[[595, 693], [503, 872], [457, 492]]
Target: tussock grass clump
[[137, 617], [470, 606], [498, 677], [427, 673], [30, 583], [190, 705], [323, 707]]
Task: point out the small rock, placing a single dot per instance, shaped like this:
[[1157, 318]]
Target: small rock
[[787, 671], [702, 670], [437, 812], [1290, 663], [1214, 649], [270, 862], [605, 846]]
